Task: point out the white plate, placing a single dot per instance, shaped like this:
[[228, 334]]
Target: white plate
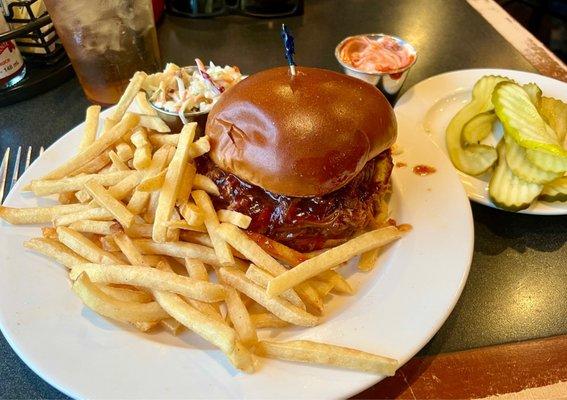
[[433, 102], [397, 308]]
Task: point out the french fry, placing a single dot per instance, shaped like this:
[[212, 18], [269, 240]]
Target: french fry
[[210, 329], [124, 294], [129, 249], [180, 250], [172, 234], [322, 288], [135, 257], [143, 153], [106, 140], [241, 242], [91, 127], [196, 149], [105, 199], [205, 308], [83, 196], [95, 165], [144, 104], [161, 139], [150, 213], [108, 124], [168, 194], [117, 163], [261, 278], [267, 320], [368, 260], [139, 230], [327, 354], [234, 218], [107, 243], [172, 326], [145, 326], [196, 237], [186, 184], [154, 123], [281, 308], [185, 226], [95, 214], [98, 227], [331, 258], [340, 284], [152, 279], [84, 247], [49, 233], [199, 147], [222, 249], [125, 311], [152, 183], [124, 151], [38, 215], [240, 318], [140, 199], [130, 92], [278, 250], [67, 198], [124, 188], [196, 269], [192, 214], [47, 187], [202, 182], [55, 250]]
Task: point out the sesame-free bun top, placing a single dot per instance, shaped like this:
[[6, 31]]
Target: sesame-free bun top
[[303, 135]]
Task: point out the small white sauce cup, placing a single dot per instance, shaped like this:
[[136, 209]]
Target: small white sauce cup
[[389, 82]]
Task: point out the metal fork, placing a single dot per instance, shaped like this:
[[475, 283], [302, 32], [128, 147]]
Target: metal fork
[[15, 169]]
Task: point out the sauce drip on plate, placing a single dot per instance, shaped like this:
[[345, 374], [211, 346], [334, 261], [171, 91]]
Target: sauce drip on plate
[[423, 170]]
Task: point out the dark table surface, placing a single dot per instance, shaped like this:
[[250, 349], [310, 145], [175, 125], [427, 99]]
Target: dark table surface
[[518, 280]]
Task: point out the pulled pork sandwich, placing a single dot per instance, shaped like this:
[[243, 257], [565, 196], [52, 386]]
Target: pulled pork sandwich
[[307, 157]]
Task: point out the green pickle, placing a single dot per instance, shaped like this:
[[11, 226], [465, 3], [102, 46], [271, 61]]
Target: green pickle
[[508, 191], [522, 121], [555, 191], [473, 159], [534, 92], [479, 127], [522, 167]]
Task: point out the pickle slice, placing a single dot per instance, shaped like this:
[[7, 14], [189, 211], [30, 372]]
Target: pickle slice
[[546, 161], [555, 191], [522, 121], [506, 190], [479, 127], [522, 167], [534, 92], [555, 113], [473, 159]]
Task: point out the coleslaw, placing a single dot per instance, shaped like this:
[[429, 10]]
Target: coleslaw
[[196, 88]]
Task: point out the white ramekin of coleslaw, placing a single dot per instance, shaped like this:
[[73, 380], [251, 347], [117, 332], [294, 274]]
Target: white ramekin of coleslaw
[[184, 94]]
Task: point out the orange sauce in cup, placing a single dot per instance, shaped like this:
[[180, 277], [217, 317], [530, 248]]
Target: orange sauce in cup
[[381, 55]]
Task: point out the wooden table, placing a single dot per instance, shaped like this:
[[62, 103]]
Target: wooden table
[[518, 280]]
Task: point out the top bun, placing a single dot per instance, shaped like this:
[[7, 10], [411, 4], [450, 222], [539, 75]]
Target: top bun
[[303, 135]]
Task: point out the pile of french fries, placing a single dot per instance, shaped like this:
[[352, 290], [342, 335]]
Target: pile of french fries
[[144, 245]]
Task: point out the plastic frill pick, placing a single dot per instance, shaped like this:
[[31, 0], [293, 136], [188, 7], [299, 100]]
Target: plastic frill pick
[[287, 39]]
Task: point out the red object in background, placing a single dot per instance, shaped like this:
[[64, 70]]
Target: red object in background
[[158, 6]]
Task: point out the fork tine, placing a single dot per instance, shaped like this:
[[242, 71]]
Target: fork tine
[[4, 172], [16, 167], [41, 150], [28, 158]]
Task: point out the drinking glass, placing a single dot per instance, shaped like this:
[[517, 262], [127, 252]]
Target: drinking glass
[[106, 41]]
